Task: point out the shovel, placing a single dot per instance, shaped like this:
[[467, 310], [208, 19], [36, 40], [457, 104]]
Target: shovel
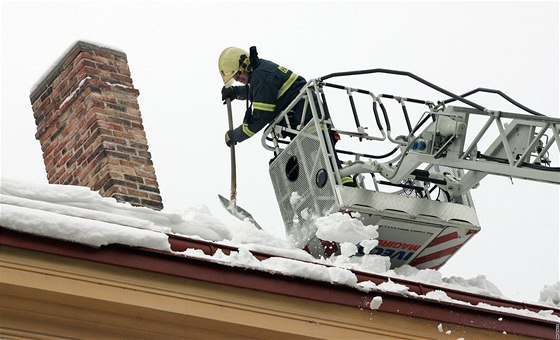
[[231, 204]]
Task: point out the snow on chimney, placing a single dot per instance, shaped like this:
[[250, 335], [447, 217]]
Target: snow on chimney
[[90, 128]]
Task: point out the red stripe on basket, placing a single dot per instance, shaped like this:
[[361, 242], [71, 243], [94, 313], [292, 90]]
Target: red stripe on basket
[[434, 256], [448, 237]]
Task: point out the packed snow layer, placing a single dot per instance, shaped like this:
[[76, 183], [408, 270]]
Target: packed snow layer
[[90, 232], [28, 203], [77, 214]]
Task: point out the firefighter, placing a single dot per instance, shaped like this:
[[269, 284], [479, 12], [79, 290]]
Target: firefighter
[[269, 87]]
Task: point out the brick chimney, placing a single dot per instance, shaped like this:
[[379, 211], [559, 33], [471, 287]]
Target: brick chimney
[[90, 128]]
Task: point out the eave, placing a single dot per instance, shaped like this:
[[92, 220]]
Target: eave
[[201, 269]]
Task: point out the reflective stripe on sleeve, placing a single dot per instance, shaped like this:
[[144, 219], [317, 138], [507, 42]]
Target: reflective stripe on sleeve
[[264, 106], [247, 131], [347, 179], [287, 84]]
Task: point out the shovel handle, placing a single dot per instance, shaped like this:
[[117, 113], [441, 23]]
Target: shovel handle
[[233, 194]]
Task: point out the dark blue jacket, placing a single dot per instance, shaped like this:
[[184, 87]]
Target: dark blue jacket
[[271, 89]]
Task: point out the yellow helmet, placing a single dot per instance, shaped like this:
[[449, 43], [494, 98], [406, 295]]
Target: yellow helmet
[[233, 60]]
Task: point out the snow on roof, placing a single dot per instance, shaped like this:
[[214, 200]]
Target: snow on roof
[[77, 214]]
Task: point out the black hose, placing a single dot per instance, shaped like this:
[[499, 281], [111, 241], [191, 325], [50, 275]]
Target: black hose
[[385, 116], [354, 112], [407, 119], [404, 73], [498, 92], [376, 114]]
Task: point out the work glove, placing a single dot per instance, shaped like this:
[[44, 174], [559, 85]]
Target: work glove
[[229, 92], [229, 141]]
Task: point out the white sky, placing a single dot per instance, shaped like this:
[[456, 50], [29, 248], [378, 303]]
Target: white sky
[[173, 48]]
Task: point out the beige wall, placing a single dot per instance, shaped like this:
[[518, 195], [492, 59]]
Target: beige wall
[[45, 296]]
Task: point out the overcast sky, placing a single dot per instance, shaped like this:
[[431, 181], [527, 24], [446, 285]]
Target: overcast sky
[[172, 50]]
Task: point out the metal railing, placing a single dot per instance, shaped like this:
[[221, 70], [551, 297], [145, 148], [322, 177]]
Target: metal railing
[[530, 158]]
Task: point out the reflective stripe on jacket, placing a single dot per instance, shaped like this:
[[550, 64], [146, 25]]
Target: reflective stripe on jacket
[[272, 89]]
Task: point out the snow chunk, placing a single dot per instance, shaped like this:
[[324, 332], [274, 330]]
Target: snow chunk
[[295, 198], [348, 249], [430, 276], [365, 263], [367, 286], [241, 258], [343, 276], [195, 253], [245, 233], [440, 295], [339, 227], [372, 263], [550, 295], [390, 286], [368, 245], [376, 302], [477, 285], [200, 222], [311, 271]]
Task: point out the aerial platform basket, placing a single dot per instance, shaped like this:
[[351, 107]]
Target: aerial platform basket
[[412, 230], [418, 194]]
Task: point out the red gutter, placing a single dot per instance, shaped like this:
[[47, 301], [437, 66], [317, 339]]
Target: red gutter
[[180, 243], [278, 283]]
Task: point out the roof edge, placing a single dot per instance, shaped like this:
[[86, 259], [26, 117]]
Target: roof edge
[[200, 269]]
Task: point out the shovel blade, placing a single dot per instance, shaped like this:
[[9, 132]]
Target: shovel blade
[[237, 211]]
